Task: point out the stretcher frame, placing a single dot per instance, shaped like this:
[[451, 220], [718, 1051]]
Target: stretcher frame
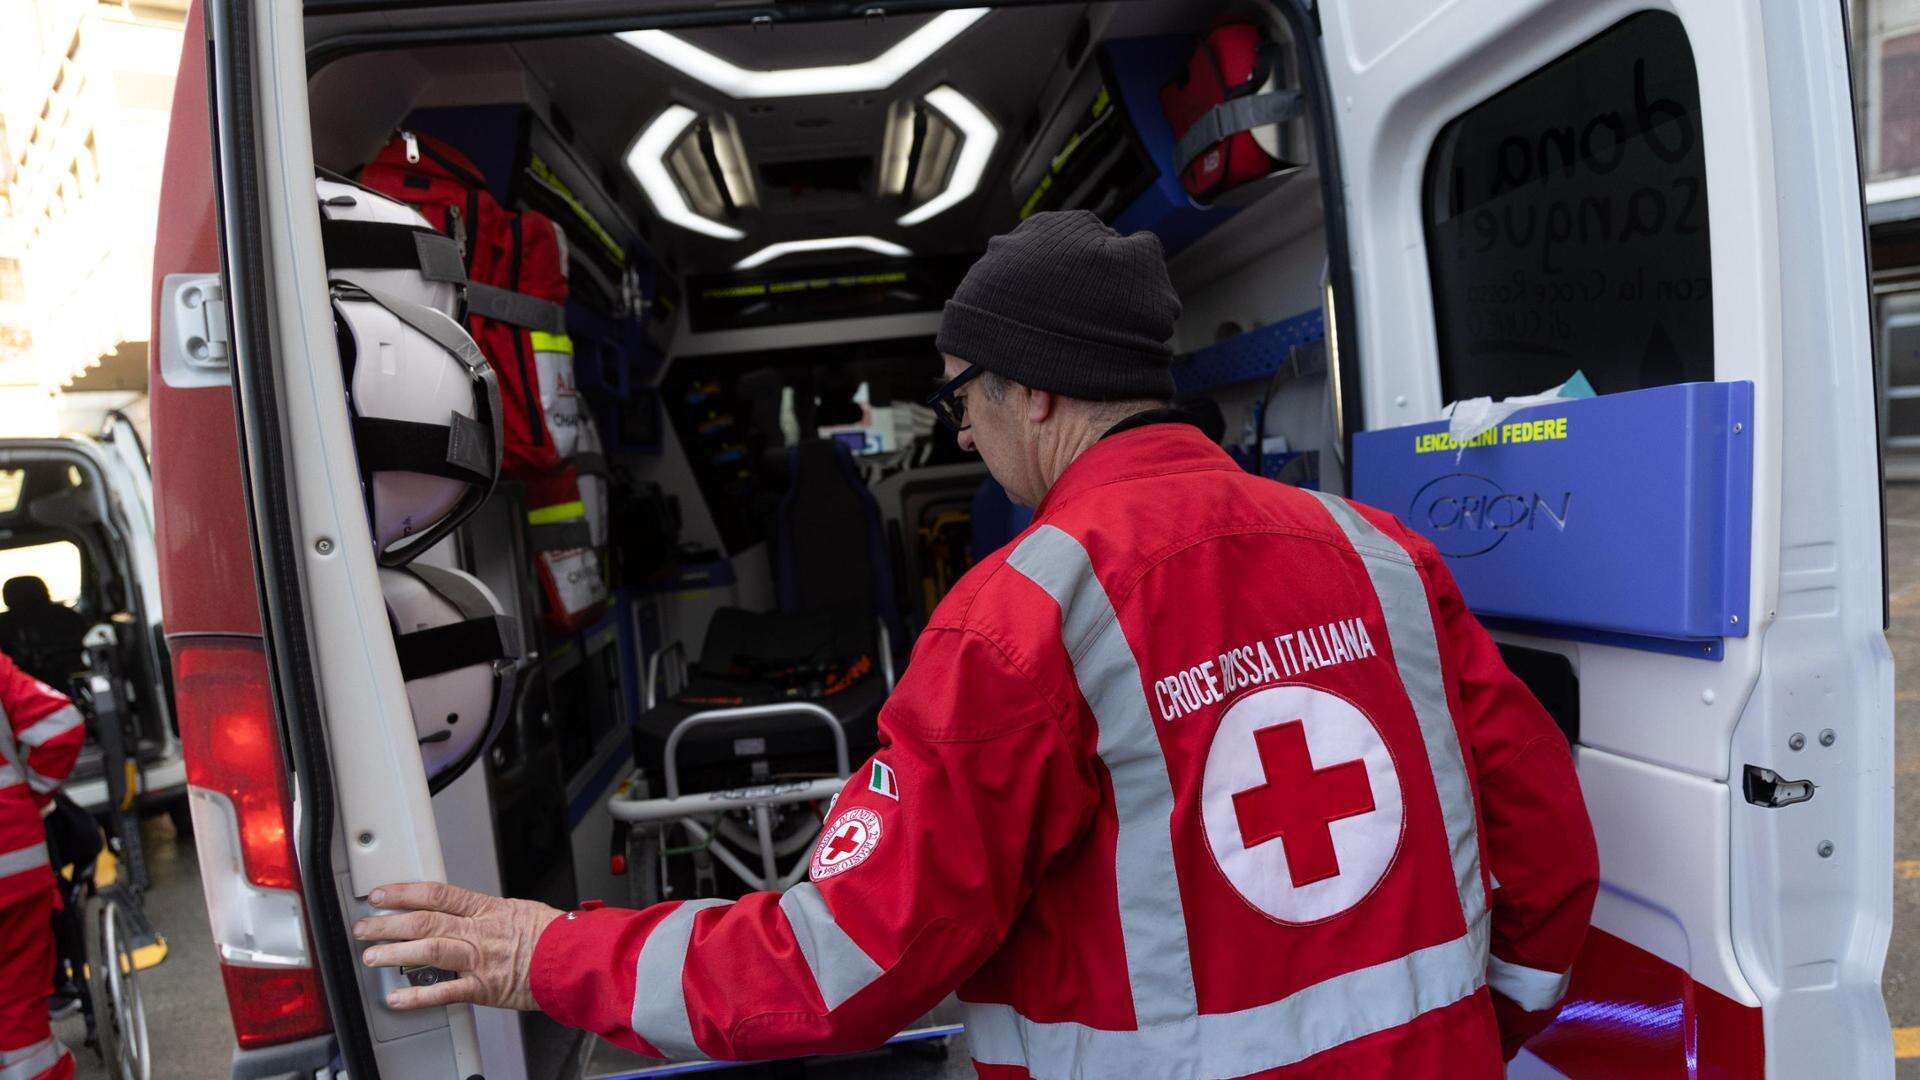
[[701, 812]]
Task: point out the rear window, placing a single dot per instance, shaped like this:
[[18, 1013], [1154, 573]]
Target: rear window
[[1566, 223], [57, 564]]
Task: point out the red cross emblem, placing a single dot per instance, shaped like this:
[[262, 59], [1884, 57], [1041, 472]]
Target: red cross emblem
[[847, 843], [1309, 769], [1299, 803]]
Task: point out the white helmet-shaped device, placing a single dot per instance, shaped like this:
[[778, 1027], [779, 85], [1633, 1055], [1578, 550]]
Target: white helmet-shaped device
[[457, 651], [426, 405]]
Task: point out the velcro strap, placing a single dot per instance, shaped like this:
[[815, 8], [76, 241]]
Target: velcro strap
[[1232, 117], [560, 536], [519, 309], [447, 648], [443, 331], [456, 589], [389, 245], [460, 450]]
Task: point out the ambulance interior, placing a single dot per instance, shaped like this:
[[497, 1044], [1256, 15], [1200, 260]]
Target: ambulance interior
[[755, 272]]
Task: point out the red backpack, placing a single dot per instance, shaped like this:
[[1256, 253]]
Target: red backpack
[[1216, 105]]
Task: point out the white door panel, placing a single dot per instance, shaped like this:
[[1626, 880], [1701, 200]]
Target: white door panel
[[1635, 807], [1786, 908]]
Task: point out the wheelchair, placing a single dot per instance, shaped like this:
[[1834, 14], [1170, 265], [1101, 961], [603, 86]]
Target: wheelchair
[[102, 938]]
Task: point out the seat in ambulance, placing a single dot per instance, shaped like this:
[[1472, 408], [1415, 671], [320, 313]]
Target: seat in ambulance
[[829, 643], [41, 636]]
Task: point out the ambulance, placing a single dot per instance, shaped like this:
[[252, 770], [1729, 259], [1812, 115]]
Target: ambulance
[[546, 498]]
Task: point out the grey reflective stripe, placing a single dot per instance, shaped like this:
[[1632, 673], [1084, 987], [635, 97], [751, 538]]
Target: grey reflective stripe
[[10, 774], [1416, 655], [9, 750], [22, 859], [1153, 925], [507, 306], [51, 726], [1530, 988], [840, 968], [659, 1002], [30, 1061], [45, 785], [1319, 1017]]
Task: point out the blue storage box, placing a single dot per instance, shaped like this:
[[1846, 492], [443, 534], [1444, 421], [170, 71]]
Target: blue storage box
[[1625, 518]]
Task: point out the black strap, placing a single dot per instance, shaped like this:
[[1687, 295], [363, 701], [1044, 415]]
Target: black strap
[[590, 463], [560, 536], [1232, 117], [441, 649], [459, 450], [387, 245], [518, 309]]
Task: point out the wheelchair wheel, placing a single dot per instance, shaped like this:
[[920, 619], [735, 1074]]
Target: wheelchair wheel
[[114, 984]]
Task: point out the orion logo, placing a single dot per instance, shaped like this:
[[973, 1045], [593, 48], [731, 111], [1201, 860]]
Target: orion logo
[[1466, 514]]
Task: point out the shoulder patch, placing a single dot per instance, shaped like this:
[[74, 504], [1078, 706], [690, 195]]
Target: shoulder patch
[[846, 843]]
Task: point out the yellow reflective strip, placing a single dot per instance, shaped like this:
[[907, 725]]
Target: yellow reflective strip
[[558, 512], [545, 342]]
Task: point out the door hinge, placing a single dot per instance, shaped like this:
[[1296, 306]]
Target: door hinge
[[1764, 787], [195, 347]]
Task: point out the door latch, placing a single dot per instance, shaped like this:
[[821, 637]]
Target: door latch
[[1767, 788]]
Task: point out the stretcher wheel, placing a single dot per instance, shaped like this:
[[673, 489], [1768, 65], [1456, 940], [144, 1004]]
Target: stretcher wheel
[[113, 982]]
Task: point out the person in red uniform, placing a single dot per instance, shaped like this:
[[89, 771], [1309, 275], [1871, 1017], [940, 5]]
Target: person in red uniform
[[1200, 776], [40, 737]]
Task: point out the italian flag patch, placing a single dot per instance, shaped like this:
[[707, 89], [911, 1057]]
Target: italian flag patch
[[881, 780]]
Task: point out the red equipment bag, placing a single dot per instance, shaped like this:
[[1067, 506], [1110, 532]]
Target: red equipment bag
[[516, 289], [1224, 107], [572, 574]]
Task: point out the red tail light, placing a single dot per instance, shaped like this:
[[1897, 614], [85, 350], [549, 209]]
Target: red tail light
[[241, 813], [227, 733]]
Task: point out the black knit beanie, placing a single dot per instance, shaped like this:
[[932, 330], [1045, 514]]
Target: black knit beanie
[[1065, 304]]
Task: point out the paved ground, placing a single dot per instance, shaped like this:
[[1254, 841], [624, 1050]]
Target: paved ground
[[193, 1036], [1902, 979]]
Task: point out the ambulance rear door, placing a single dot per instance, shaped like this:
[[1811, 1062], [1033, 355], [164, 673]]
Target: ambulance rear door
[[1652, 211]]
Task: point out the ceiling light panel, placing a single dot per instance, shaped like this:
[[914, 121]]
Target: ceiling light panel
[[970, 166], [646, 161], [876, 74], [826, 243]]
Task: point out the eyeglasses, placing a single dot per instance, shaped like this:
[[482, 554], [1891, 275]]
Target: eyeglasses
[[946, 402]]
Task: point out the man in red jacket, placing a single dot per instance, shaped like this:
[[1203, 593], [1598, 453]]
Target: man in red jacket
[[1200, 776], [40, 737]]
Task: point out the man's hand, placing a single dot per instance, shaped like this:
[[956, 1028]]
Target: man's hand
[[486, 940]]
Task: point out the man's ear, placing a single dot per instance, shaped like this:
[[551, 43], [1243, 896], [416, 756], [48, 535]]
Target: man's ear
[[1040, 405]]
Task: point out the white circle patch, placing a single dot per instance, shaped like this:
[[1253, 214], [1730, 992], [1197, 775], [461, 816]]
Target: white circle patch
[[846, 843], [1301, 803]]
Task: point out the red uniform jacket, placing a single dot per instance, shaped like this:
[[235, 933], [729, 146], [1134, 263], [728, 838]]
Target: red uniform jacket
[[40, 736], [1201, 776]]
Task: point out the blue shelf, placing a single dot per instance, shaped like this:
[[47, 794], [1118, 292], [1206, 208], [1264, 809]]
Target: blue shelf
[[1256, 354]]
